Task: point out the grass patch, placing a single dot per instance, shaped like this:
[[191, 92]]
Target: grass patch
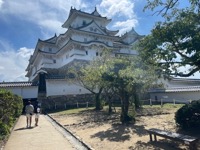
[[71, 111], [148, 108], [167, 105]]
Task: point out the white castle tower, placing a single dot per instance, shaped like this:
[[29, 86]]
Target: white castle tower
[[85, 38]]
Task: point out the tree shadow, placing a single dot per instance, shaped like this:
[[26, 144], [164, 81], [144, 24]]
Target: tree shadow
[[120, 132]]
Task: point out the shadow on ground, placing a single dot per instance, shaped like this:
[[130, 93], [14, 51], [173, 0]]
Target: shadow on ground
[[120, 132]]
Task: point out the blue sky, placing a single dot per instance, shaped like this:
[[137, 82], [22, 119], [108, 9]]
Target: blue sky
[[22, 22]]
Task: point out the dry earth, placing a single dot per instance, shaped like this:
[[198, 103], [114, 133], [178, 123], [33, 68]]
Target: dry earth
[[105, 132]]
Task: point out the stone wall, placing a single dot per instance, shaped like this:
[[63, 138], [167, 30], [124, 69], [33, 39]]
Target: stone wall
[[68, 101]]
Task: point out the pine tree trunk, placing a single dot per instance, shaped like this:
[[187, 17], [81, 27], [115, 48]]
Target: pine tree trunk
[[125, 106], [98, 101]]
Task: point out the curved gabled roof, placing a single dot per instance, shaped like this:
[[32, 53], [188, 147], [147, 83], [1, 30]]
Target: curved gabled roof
[[96, 13], [93, 33], [104, 30], [51, 40], [73, 13], [132, 35], [89, 24], [84, 43]]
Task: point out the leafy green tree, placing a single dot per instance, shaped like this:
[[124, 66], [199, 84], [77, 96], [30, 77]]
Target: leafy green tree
[[10, 108], [89, 76], [128, 77], [169, 8], [174, 43]]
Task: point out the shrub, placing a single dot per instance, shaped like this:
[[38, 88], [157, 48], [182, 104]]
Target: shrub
[[188, 116], [10, 108]]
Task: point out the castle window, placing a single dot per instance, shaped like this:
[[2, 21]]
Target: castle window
[[50, 49], [84, 22], [86, 52], [54, 61], [97, 54], [85, 39]]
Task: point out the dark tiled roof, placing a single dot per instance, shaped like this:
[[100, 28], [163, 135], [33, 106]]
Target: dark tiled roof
[[177, 89], [17, 84], [185, 80]]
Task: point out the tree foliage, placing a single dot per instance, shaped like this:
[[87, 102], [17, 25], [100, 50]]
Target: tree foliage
[[174, 43], [169, 8], [188, 116], [128, 77], [10, 108], [89, 76], [125, 77]]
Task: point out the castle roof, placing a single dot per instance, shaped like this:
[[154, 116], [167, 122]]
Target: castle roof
[[51, 40], [176, 89], [74, 13], [17, 84]]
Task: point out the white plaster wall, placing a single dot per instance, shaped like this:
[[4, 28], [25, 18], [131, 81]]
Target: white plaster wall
[[177, 96], [62, 87], [24, 92], [78, 22]]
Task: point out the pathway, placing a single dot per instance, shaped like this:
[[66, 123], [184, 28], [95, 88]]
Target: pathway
[[43, 137]]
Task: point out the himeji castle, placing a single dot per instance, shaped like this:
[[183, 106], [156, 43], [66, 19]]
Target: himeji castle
[[86, 37]]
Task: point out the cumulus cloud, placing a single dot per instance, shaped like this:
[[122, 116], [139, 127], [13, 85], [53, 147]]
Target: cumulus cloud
[[123, 10], [47, 14], [13, 63], [50, 15], [1, 3], [112, 8], [125, 26]]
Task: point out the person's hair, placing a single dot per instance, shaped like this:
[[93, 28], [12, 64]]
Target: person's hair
[[29, 102]]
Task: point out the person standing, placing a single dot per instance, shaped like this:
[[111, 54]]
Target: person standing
[[37, 114], [29, 109]]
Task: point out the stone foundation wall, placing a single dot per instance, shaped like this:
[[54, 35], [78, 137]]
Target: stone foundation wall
[[67, 102]]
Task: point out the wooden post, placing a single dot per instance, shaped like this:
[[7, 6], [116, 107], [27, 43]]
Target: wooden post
[[150, 135], [86, 104], [174, 102], [150, 102], [77, 104], [161, 101], [155, 137]]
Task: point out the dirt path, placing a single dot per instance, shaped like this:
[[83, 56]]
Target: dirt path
[[106, 132]]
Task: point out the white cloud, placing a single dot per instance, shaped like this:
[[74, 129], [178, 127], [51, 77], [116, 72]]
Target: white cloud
[[48, 14], [125, 26], [13, 64], [112, 8], [1, 3], [122, 12]]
